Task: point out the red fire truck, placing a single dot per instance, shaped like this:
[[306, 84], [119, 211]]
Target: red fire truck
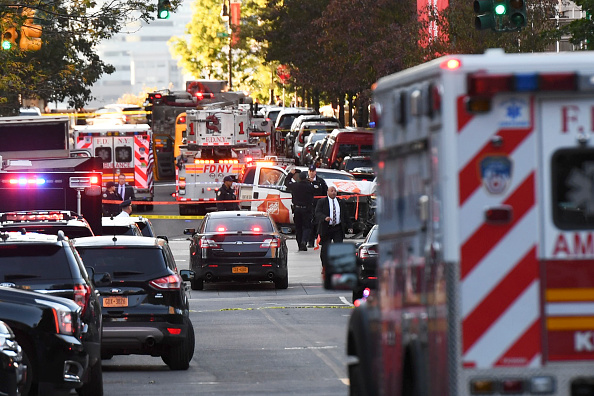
[[486, 217]]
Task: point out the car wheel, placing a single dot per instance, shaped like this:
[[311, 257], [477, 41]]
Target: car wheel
[[94, 384], [179, 356], [197, 284], [281, 283]]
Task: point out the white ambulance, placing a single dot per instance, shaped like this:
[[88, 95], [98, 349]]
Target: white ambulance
[[123, 149], [486, 217]]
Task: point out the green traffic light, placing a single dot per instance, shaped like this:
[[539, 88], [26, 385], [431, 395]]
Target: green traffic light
[[163, 14], [6, 45], [500, 9]]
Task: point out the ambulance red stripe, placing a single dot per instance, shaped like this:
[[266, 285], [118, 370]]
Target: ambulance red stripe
[[525, 349], [463, 116], [487, 236], [499, 299]]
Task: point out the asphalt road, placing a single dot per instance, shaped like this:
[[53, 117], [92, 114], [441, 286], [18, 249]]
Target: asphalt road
[[250, 339]]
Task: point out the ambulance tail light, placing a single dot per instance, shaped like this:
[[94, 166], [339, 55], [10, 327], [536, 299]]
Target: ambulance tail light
[[499, 215], [451, 64]]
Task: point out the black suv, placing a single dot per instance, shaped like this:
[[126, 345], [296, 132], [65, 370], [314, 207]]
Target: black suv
[[145, 306], [46, 222], [12, 370], [49, 264], [49, 331]]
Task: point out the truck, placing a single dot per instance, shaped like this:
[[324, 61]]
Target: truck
[[485, 216], [123, 150], [218, 143], [37, 171]]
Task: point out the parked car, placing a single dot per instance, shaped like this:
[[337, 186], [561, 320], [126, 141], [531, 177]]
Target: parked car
[[366, 253], [304, 131], [308, 154], [359, 166], [50, 358], [241, 246], [118, 114], [297, 125], [49, 265], [282, 126], [345, 142], [46, 222], [13, 372], [145, 305], [120, 226]]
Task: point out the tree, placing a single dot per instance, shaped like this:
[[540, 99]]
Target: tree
[[582, 30], [67, 64]]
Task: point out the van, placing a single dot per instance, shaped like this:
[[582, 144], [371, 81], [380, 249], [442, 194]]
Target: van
[[343, 142]]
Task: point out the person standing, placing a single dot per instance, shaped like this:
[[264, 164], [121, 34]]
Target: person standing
[[226, 193], [333, 221], [303, 196], [110, 194], [125, 191], [320, 190], [126, 208]]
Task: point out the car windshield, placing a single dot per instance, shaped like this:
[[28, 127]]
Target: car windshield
[[335, 176], [317, 136], [235, 224], [118, 230], [355, 149], [126, 263], [358, 163], [69, 231], [27, 261], [145, 228]]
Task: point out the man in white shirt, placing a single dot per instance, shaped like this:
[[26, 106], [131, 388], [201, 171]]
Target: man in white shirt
[[126, 208], [333, 219]]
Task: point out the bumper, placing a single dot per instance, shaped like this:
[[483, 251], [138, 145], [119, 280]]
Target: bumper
[[65, 361], [264, 271], [142, 338]]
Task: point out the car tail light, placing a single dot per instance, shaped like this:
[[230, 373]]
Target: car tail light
[[171, 282], [64, 322], [221, 229], [82, 294], [206, 243], [367, 252], [174, 331], [257, 229], [269, 243]]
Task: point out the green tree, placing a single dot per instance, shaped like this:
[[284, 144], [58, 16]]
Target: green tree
[[205, 54], [582, 30], [67, 65]]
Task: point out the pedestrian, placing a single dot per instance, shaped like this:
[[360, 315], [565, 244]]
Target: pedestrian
[[303, 196], [320, 190], [225, 193], [279, 101], [126, 208], [333, 222], [338, 162], [125, 191], [110, 194]]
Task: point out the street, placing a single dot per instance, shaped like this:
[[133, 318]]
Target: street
[[250, 339]]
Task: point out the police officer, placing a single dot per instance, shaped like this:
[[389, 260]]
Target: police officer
[[303, 197], [320, 190], [110, 194], [225, 193]]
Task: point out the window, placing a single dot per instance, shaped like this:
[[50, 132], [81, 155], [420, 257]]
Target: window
[[104, 153], [234, 224], [124, 263], [26, 262], [123, 154], [572, 171], [269, 177]]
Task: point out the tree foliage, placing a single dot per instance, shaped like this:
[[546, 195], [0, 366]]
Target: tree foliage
[[67, 65], [581, 30]]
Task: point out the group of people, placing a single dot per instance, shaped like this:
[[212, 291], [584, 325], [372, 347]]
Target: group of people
[[118, 192], [316, 211]]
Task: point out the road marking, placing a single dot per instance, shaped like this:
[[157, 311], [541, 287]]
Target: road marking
[[311, 347], [345, 301]]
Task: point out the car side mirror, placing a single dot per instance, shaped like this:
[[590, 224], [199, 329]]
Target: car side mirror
[[341, 267], [102, 279], [285, 230], [187, 275], [163, 237], [189, 231]]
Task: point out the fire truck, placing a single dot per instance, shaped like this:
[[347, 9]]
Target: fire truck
[[217, 144], [486, 255], [124, 150], [38, 173]]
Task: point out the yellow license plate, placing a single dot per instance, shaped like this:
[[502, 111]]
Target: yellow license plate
[[240, 270], [115, 302]]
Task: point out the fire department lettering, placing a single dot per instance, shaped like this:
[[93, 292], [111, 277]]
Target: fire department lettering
[[576, 245], [582, 341], [576, 118], [220, 168], [215, 139]]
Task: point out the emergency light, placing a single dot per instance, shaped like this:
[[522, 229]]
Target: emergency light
[[23, 181]]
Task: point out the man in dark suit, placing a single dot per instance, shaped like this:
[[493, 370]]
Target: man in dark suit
[[126, 192], [333, 220]]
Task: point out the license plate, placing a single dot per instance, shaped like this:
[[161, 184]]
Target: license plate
[[240, 270], [115, 302]]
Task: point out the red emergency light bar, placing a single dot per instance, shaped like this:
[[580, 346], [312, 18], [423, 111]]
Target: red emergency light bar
[[50, 216], [201, 161], [27, 181], [482, 84]]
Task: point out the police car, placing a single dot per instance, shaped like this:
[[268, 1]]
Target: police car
[[46, 222]]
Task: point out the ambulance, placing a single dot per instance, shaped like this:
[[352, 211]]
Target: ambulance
[[486, 216], [123, 149]]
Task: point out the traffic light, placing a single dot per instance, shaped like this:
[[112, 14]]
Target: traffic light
[[30, 32], [485, 17], [163, 9], [517, 13], [9, 37]]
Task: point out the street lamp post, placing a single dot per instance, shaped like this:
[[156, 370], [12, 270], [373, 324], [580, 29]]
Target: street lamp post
[[226, 16]]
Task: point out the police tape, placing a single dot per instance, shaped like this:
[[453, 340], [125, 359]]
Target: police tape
[[270, 197]]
